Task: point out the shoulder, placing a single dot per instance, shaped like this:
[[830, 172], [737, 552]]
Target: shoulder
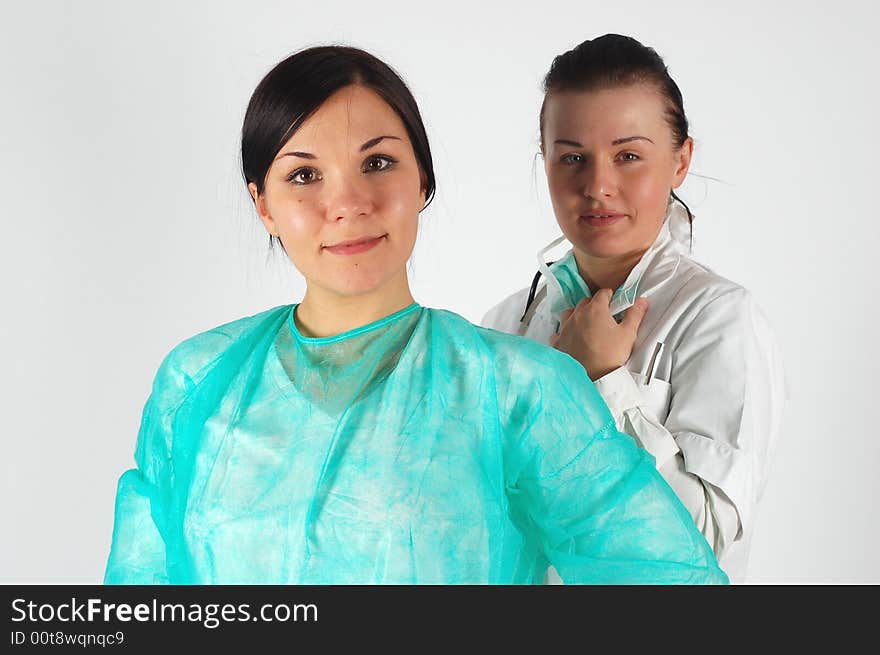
[[717, 315], [533, 383], [709, 294], [493, 340], [700, 276], [512, 357], [187, 363]]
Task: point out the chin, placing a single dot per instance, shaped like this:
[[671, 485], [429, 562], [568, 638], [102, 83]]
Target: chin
[[351, 289], [360, 283], [601, 247]]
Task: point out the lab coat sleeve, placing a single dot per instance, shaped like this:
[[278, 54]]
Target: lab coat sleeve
[[138, 548], [624, 399], [724, 412], [601, 511]]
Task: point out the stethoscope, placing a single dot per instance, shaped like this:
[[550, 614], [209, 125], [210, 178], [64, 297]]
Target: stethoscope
[[533, 289]]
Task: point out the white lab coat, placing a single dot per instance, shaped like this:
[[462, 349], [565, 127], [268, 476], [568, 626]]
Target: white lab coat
[[710, 414]]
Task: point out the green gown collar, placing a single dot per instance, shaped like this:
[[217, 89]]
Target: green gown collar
[[375, 325]]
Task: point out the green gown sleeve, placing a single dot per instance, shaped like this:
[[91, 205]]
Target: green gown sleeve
[[592, 500], [143, 497]]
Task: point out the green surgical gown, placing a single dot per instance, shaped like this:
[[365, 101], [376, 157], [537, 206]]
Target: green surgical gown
[[416, 449]]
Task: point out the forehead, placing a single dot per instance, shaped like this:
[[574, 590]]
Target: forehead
[[605, 114], [353, 113]]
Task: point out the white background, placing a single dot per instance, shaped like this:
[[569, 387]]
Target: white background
[[126, 226]]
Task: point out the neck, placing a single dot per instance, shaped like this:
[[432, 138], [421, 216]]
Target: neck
[[606, 272], [324, 313]]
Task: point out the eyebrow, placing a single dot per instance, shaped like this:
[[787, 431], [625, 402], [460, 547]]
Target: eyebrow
[[297, 153], [369, 144], [366, 146], [627, 139], [568, 142], [616, 142]]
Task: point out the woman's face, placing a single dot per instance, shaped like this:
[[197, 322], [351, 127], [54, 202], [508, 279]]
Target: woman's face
[[611, 163], [344, 195]]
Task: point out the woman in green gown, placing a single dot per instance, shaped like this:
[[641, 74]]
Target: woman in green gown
[[358, 437]]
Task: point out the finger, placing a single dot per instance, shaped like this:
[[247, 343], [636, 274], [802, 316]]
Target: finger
[[633, 316], [583, 303], [565, 315], [603, 297], [580, 308]]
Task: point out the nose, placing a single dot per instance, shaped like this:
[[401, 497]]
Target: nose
[[349, 198], [600, 180]]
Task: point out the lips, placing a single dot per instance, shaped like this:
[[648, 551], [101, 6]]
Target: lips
[[601, 218], [355, 246]]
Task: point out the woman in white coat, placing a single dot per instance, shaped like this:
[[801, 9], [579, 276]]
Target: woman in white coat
[[684, 358]]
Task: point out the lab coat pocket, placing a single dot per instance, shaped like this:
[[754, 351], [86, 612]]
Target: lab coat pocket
[[655, 396]]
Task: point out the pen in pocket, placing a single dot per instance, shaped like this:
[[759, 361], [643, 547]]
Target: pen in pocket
[[649, 373]]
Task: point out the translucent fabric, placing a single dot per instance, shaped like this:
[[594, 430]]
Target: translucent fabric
[[416, 449]]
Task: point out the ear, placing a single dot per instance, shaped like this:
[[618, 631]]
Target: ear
[[423, 188], [542, 153], [262, 210], [682, 162]]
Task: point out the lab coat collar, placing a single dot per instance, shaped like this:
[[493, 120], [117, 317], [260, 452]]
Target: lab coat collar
[[657, 265]]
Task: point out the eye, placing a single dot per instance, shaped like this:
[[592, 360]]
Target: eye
[[304, 175], [378, 163], [571, 159], [628, 156]]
